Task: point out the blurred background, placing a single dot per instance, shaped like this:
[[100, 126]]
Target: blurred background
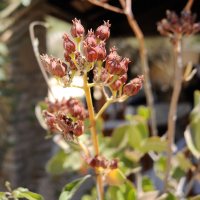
[[23, 150]]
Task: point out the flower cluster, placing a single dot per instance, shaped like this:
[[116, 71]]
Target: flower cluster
[[114, 74], [101, 161], [57, 120], [176, 27]]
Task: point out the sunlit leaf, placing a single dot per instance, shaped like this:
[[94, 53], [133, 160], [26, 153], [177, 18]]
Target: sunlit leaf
[[143, 111], [120, 195], [160, 164], [178, 173], [190, 143], [25, 193], [2, 194], [153, 144], [115, 177], [86, 197], [184, 163], [147, 184], [133, 155], [70, 189]]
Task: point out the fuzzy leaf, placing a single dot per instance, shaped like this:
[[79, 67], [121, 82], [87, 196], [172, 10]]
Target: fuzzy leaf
[[143, 111]]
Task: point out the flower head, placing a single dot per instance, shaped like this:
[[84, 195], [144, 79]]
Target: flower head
[[103, 31], [77, 29]]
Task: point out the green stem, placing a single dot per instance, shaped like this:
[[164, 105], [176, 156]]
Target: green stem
[[113, 80], [78, 40], [103, 109]]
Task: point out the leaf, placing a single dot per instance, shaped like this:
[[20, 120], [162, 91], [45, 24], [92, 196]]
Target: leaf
[[73, 161], [120, 195], [178, 173], [149, 195], [65, 196], [191, 75], [131, 195], [147, 184], [134, 156], [184, 163], [160, 164], [2, 194], [188, 69], [153, 144], [115, 177], [55, 164], [170, 197], [143, 111], [86, 197], [190, 143], [40, 106], [99, 124], [69, 190], [23, 192], [118, 135], [130, 188]]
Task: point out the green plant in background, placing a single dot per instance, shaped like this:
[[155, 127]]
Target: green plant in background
[[79, 130]]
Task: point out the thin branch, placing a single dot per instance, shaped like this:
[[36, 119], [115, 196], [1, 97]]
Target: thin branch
[[36, 51], [189, 5], [172, 112], [106, 6], [145, 68]]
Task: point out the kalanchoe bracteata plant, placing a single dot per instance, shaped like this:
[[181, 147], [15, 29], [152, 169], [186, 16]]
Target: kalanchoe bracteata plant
[[114, 75]]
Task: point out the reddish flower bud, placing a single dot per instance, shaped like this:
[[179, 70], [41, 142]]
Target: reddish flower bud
[[124, 64], [115, 85], [72, 66], [123, 78], [90, 38], [49, 118], [83, 115], [172, 16], [59, 69], [91, 162], [114, 163], [68, 45], [134, 86], [103, 31], [101, 51], [89, 52], [101, 162], [67, 57], [64, 122], [161, 29], [45, 61], [77, 29], [78, 128], [75, 109], [166, 24], [70, 102], [113, 54], [103, 74]]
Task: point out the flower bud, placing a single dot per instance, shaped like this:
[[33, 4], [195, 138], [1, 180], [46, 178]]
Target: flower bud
[[196, 27], [67, 57], [124, 64], [103, 31], [77, 29], [172, 16], [78, 128], [115, 86], [75, 109], [59, 69], [114, 163], [161, 29], [113, 54], [68, 45], [45, 61], [134, 86], [90, 38], [166, 24], [101, 51], [89, 52], [101, 162], [123, 78], [72, 66], [103, 74], [91, 162], [64, 122], [49, 118], [70, 102]]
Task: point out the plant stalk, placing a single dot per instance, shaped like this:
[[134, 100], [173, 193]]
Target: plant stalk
[[93, 129], [172, 111], [145, 68]]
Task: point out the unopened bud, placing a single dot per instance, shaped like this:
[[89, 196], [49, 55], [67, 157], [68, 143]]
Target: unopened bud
[[90, 38], [77, 29], [78, 128], [103, 31], [68, 45], [114, 163], [89, 52]]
